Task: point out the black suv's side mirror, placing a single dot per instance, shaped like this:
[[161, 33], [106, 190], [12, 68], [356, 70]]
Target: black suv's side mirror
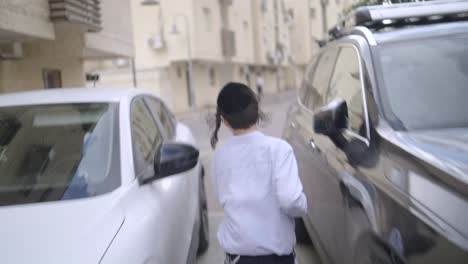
[[171, 159], [332, 118]]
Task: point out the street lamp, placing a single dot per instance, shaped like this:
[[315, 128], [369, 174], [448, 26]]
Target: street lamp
[[175, 31]]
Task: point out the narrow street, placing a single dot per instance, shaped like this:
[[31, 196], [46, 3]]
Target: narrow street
[[275, 107]]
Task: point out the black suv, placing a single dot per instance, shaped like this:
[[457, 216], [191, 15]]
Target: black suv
[[380, 131]]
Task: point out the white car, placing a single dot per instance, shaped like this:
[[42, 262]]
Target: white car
[[98, 176]]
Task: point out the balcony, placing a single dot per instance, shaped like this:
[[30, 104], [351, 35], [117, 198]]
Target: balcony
[[86, 13], [25, 21]]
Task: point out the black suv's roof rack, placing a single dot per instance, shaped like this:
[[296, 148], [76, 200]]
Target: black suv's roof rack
[[399, 15]]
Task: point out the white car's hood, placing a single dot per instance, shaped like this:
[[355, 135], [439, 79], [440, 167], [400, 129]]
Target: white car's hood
[[75, 231]]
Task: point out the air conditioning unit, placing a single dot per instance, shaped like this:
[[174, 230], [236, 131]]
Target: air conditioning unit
[[11, 51], [156, 42], [121, 63]]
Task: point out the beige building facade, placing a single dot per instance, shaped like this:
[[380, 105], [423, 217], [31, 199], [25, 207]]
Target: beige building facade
[[225, 40], [311, 21], [45, 44]]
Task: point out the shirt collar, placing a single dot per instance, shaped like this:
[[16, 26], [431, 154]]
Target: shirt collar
[[246, 136]]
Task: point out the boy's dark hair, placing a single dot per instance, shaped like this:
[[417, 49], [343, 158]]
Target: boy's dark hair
[[239, 106]]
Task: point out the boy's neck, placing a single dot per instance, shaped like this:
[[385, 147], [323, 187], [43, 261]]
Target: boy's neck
[[239, 132]]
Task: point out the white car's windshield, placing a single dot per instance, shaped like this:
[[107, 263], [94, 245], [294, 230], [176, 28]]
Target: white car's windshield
[[57, 152]]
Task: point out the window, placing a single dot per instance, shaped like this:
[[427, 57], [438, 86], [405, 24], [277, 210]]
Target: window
[[212, 76], [346, 84], [208, 18], [264, 6], [161, 113], [146, 138], [291, 14], [318, 78], [306, 84], [179, 72], [421, 75], [312, 13]]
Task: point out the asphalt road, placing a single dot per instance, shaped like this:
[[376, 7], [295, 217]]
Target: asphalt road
[[275, 107]]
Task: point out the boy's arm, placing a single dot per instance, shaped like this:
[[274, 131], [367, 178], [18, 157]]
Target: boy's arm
[[289, 192]]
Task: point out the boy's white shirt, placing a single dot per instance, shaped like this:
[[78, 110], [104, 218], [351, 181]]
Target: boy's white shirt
[[256, 181]]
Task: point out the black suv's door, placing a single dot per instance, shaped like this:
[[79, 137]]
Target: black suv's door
[[345, 83], [325, 212]]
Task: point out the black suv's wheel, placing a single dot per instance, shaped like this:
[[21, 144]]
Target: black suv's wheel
[[302, 236], [204, 235], [370, 251]]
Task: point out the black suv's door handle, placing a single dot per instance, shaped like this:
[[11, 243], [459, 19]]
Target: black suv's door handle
[[312, 145]]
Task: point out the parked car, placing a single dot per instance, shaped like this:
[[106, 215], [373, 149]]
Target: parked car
[[380, 131], [98, 176]]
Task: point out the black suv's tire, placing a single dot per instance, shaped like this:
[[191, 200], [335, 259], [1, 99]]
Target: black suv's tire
[[302, 236], [370, 251], [204, 235], [373, 255]]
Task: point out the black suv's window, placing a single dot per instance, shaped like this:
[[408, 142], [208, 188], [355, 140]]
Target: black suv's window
[[426, 81], [162, 113], [346, 84], [306, 85], [318, 78], [146, 137]]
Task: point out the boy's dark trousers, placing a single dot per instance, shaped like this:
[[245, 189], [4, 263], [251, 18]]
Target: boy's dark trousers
[[269, 259]]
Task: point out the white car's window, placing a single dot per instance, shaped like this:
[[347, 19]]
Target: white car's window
[[146, 138], [160, 111], [57, 152]]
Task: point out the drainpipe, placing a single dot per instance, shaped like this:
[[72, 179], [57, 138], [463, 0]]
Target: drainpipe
[[134, 74], [323, 5], [276, 10]]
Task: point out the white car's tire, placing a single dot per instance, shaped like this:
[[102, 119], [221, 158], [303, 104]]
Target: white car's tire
[[204, 234]]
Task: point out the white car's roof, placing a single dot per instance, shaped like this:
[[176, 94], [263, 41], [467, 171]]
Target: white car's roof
[[69, 95]]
